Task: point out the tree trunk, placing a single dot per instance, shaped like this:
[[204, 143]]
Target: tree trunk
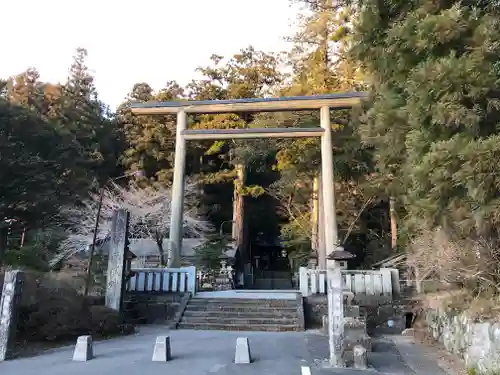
[[394, 226], [161, 251], [238, 228], [315, 217]]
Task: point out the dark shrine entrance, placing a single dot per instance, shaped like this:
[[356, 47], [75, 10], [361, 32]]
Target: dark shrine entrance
[[268, 258], [270, 264]]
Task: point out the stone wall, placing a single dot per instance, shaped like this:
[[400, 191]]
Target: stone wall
[[151, 308], [477, 343], [315, 307]]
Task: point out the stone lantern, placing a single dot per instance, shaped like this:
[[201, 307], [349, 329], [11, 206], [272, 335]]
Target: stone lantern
[[341, 256]]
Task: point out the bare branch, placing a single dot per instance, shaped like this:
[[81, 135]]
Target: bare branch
[[150, 213]]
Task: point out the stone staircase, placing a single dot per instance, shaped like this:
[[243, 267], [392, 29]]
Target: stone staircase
[[243, 314]]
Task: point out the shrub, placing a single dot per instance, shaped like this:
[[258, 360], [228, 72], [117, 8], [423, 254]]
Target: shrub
[[469, 264], [52, 310]]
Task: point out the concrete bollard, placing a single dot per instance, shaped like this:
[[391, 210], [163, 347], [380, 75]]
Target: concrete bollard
[[242, 352], [360, 357], [161, 352], [84, 349], [305, 370]]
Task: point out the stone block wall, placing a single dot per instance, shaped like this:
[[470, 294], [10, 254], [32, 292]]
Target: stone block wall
[[478, 343], [149, 308], [315, 307]]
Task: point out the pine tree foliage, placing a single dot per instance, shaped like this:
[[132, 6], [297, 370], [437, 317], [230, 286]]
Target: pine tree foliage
[[150, 139], [434, 69]]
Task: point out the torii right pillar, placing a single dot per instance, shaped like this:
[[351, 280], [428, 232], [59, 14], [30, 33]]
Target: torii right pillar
[[334, 276]]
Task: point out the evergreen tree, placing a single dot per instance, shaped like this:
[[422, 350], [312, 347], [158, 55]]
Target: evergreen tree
[[434, 69], [247, 74], [320, 64], [55, 141], [150, 139]]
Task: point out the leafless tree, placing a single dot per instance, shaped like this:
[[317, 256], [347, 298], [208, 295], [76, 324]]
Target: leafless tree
[[150, 212]]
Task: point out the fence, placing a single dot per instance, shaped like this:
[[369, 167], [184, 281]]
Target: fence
[[163, 280], [378, 285]]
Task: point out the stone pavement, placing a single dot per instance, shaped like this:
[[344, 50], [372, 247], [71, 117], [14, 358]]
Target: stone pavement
[[212, 352]]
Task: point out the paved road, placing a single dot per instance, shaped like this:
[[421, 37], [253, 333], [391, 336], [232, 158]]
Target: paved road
[[202, 353]]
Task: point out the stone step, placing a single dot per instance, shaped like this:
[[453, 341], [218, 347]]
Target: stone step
[[237, 327], [148, 296], [241, 314], [241, 301], [237, 306], [264, 314], [240, 320], [242, 308]]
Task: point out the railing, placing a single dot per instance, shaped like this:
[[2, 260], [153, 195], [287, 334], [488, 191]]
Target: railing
[[163, 280], [378, 285]]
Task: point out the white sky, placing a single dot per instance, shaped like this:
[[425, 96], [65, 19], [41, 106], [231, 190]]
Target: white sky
[[135, 41]]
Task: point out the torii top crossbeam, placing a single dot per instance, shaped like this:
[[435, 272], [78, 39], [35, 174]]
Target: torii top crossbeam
[[292, 103]]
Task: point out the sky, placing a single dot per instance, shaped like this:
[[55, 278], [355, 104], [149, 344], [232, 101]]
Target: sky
[[129, 41]]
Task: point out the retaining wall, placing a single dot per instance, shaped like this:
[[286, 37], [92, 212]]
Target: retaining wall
[[478, 343]]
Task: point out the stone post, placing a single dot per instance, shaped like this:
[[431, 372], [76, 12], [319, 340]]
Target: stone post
[[329, 227], [360, 357], [9, 306], [335, 317], [115, 282], [304, 281]]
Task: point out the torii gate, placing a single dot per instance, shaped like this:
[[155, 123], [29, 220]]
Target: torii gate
[[323, 103]]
